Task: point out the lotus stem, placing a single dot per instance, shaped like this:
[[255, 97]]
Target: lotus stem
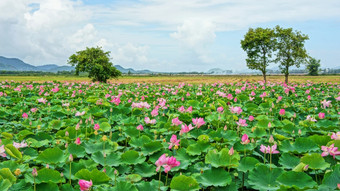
[[70, 173], [159, 180], [166, 179]]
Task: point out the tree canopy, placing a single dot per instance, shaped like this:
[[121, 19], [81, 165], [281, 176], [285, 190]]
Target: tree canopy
[[259, 45], [313, 66], [96, 62]]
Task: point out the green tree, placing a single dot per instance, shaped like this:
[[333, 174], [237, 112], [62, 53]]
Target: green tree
[[259, 45], [313, 66], [96, 62], [291, 49]]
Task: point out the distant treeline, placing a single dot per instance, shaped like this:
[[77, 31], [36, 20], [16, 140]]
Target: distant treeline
[[36, 73]]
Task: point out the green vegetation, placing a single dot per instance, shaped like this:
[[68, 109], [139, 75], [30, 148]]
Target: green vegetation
[[96, 62], [313, 66]]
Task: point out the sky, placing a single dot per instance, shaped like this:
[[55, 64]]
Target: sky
[[162, 35]]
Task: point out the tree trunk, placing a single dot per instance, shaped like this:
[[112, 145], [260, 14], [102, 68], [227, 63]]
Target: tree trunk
[[286, 78], [264, 77]]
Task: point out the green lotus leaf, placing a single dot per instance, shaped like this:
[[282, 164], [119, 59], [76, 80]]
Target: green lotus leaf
[[247, 164], [320, 140], [332, 178], [51, 156], [24, 133], [6, 173], [133, 178], [13, 152], [259, 132], [181, 155], [50, 186], [122, 185], [7, 135], [37, 144], [5, 184], [12, 165], [75, 167], [112, 159], [301, 145], [139, 142], [152, 185], [132, 157], [214, 177], [183, 183], [95, 175], [91, 148], [193, 103], [222, 158], [55, 124], [48, 175], [151, 147], [66, 187], [264, 178], [105, 126], [198, 148], [315, 161], [145, 169], [298, 180], [77, 150], [289, 161]]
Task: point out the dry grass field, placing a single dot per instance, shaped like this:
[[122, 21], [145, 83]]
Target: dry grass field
[[194, 79]]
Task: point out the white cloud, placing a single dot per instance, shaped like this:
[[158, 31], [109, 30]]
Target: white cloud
[[196, 35], [130, 55]]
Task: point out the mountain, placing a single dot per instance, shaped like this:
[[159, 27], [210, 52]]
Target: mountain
[[15, 64], [132, 71]]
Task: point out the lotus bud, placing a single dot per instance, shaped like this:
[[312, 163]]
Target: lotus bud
[[225, 127], [47, 166], [271, 139], [305, 168], [66, 134], [155, 137], [299, 132], [104, 138], [57, 142], [293, 132], [66, 145], [231, 151], [269, 125], [61, 174], [70, 158], [104, 154], [17, 172], [116, 172], [38, 127], [104, 170], [34, 172], [95, 132]]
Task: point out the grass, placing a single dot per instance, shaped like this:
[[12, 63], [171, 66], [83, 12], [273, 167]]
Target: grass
[[194, 79]]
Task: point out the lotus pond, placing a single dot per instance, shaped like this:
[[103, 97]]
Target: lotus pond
[[149, 136]]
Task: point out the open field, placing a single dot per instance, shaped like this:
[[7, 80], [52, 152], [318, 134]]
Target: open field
[[180, 78]]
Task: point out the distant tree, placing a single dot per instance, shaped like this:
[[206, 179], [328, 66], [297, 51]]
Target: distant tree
[[96, 62], [259, 45], [291, 49], [313, 66]]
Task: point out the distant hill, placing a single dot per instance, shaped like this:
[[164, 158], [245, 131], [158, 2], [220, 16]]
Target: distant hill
[[15, 64], [219, 71]]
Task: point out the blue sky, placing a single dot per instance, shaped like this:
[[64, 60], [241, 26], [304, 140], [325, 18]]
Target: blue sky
[[173, 36]]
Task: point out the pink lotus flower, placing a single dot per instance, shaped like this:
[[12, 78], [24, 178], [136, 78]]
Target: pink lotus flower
[[42, 100], [337, 99], [321, 115], [85, 185], [181, 109], [173, 141], [162, 160], [23, 144], [33, 110], [24, 115], [176, 121], [236, 109], [336, 136], [96, 127], [220, 109], [115, 100], [140, 127], [331, 150], [2, 151], [34, 172], [78, 142], [172, 162], [154, 112], [326, 103], [310, 118], [279, 98], [198, 122], [242, 123], [80, 113], [282, 112], [189, 110], [251, 118], [185, 128], [269, 149], [147, 120], [245, 139]]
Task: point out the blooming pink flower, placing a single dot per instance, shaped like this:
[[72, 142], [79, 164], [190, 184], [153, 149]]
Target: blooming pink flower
[[185, 128], [310, 118], [154, 112], [336, 136], [173, 141], [198, 122], [269, 149], [42, 100], [78, 142], [326, 103], [176, 121], [80, 113], [24, 115], [251, 118], [337, 99], [23, 144], [33, 110], [242, 123], [85, 185], [115, 100], [181, 109], [189, 110], [279, 98], [331, 150], [321, 115], [147, 120], [162, 160], [2, 151], [245, 139], [172, 162], [96, 127], [220, 109], [282, 112], [236, 109], [140, 127]]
